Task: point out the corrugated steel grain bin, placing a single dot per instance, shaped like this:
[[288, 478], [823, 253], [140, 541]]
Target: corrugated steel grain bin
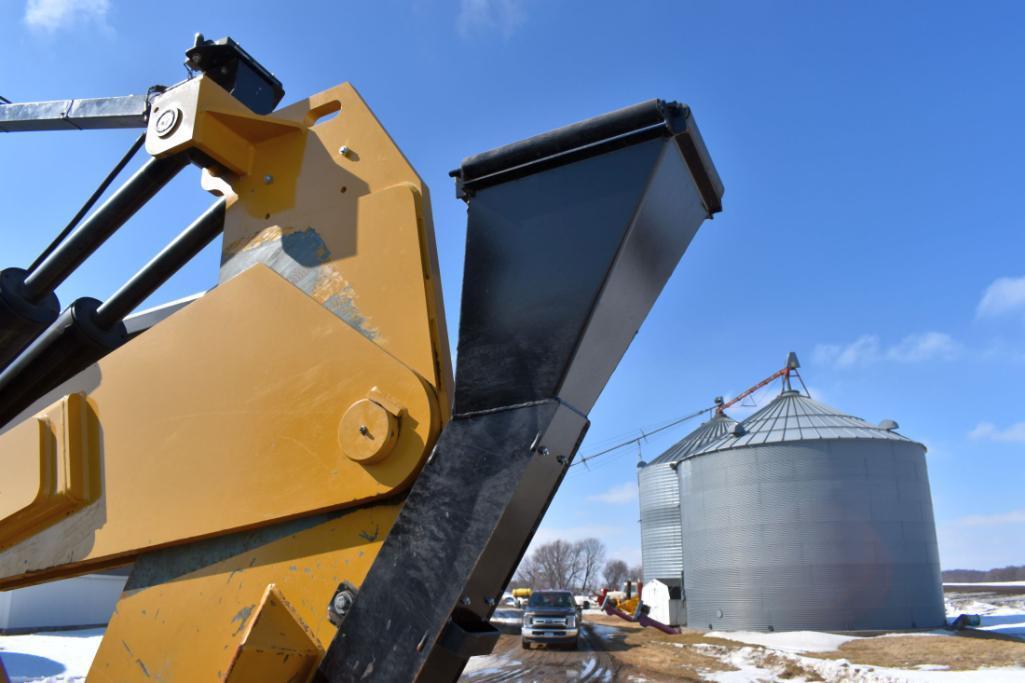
[[659, 494], [806, 518]]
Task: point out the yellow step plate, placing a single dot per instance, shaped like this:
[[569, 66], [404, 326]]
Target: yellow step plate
[[50, 468]]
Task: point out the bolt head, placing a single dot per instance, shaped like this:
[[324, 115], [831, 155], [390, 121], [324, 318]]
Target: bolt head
[[465, 602], [344, 150], [342, 602], [268, 179], [167, 122]]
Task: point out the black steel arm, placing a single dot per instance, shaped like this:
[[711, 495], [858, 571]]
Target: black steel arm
[[88, 329]]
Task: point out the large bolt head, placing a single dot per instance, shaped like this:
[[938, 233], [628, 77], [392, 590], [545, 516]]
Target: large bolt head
[[167, 121], [367, 432]]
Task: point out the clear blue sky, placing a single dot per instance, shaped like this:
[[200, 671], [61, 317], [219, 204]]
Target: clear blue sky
[[872, 155]]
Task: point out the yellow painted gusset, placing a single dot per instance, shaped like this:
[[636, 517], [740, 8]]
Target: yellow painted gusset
[[50, 468], [187, 611], [348, 220], [226, 416], [319, 192], [276, 647]]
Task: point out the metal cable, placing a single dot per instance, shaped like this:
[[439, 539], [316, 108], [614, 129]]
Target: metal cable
[[136, 146], [644, 435]]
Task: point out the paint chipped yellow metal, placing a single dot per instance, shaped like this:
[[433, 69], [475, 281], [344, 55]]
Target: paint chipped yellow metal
[[225, 417], [276, 645], [183, 621]]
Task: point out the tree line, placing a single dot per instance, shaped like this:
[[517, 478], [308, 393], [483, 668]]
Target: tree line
[[582, 566], [1014, 572]]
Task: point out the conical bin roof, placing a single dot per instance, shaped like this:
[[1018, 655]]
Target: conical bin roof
[[793, 416], [708, 432]]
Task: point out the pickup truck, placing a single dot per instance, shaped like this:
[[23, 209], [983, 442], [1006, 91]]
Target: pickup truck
[[550, 618]]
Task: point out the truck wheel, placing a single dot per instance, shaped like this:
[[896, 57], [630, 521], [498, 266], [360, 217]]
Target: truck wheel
[[526, 644], [573, 644]]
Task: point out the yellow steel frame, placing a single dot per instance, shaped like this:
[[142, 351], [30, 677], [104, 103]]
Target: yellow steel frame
[[250, 452]]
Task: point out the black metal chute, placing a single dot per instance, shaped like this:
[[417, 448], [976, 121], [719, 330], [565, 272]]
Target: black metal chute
[[570, 238]]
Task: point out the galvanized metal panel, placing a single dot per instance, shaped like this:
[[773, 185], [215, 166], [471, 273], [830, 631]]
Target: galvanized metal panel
[[829, 533], [661, 549]]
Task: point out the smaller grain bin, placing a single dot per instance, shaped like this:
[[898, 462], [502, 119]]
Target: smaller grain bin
[[659, 494], [806, 518]]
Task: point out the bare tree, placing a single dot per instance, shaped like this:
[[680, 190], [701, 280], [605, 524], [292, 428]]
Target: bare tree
[[556, 565], [615, 573], [636, 573], [561, 564], [590, 557]]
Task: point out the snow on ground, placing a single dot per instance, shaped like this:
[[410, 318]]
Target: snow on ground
[[56, 656], [1001, 613], [787, 641], [992, 584], [753, 664], [489, 665]]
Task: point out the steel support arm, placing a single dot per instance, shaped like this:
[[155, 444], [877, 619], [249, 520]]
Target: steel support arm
[[129, 111]]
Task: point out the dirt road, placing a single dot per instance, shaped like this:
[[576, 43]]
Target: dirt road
[[511, 663]]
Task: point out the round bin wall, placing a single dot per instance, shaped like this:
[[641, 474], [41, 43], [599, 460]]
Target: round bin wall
[[659, 494], [834, 534]]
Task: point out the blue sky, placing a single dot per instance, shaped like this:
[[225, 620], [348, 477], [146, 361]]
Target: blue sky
[[873, 223]]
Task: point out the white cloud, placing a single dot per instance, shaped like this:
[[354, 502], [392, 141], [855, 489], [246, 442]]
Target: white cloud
[[987, 431], [624, 493], [862, 351], [51, 15], [999, 519], [868, 350], [915, 348], [487, 16], [983, 541], [1005, 295]]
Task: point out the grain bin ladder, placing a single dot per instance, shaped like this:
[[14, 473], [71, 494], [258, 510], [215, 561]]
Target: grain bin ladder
[[304, 491]]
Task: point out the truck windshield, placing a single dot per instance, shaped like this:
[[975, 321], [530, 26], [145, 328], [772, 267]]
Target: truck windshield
[[560, 600]]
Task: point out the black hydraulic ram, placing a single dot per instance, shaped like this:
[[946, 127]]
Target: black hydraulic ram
[[88, 329], [571, 237], [28, 304]]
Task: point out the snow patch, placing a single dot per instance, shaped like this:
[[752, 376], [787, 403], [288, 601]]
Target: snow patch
[[753, 664], [63, 656], [787, 641]]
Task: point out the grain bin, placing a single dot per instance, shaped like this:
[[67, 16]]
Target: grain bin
[[806, 518], [659, 494]]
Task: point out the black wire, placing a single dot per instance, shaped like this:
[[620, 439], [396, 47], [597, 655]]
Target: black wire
[[136, 146], [4, 100]]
